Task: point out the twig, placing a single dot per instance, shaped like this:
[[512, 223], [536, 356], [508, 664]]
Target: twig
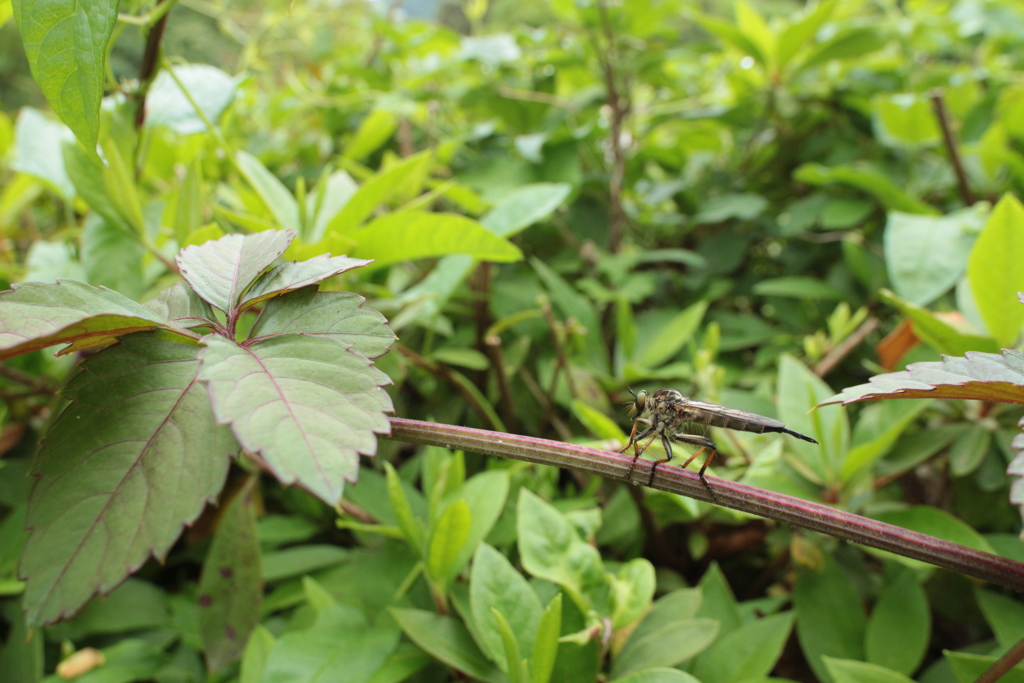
[[620, 106], [545, 403], [148, 66], [563, 361], [493, 345], [1003, 665], [843, 348], [939, 106], [802, 513], [21, 377]]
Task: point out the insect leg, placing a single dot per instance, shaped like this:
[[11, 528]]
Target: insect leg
[[705, 444], [634, 441], [668, 455]]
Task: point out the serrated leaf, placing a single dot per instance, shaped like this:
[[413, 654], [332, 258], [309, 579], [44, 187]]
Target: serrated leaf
[[230, 587], [180, 304], [335, 315], [132, 459], [978, 376], [34, 315], [66, 42], [420, 234], [221, 271], [288, 277], [307, 406]]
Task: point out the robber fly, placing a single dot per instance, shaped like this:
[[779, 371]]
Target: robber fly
[[666, 410]]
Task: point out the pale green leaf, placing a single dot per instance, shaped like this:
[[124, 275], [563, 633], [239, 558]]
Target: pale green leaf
[[994, 271], [419, 234]]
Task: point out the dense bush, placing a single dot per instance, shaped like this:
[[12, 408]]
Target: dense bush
[[758, 206]]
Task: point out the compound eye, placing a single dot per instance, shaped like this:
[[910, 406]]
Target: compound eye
[[641, 400]]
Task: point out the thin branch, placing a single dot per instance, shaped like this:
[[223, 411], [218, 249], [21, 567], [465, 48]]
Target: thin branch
[[939, 106], [801, 513], [563, 360], [150, 61], [620, 105], [440, 371], [1003, 665], [843, 348], [493, 345], [38, 385]]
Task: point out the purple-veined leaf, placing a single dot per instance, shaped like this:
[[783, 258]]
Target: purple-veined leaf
[[338, 315], [34, 315], [230, 588], [220, 271], [308, 406], [133, 458], [979, 376], [181, 305], [297, 274]]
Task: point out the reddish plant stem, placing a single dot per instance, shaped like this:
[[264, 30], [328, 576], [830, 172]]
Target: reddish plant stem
[[1003, 665], [802, 513], [939, 106]]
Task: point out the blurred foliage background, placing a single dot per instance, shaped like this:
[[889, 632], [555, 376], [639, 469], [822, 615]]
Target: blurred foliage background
[[756, 203]]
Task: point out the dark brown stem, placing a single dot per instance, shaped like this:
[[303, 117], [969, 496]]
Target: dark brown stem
[[843, 348], [17, 376], [1003, 665], [149, 65], [545, 403], [755, 501], [563, 361], [508, 409], [440, 371], [939, 106]]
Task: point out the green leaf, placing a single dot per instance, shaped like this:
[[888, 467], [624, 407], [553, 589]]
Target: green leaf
[[730, 34], [672, 337], [799, 33], [21, 657], [572, 304], [969, 450], [1005, 616], [658, 675], [112, 257], [334, 315], [307, 406], [411, 525], [495, 584], [994, 270], [670, 645], [272, 191], [935, 522], [230, 586], [135, 605], [850, 44], [341, 647], [524, 206], [38, 151], [254, 659], [513, 658], [676, 606], [798, 287], [289, 277], [406, 660], [749, 652], [448, 536], [188, 204], [632, 591], [850, 671], [485, 495], [829, 618], [968, 668], [799, 391], [900, 626], [756, 30], [905, 119], [207, 86], [301, 560], [401, 179], [119, 182], [937, 333], [448, 640], [866, 179], [37, 315], [602, 426], [66, 44], [978, 376], [877, 431], [327, 200], [545, 647], [375, 129], [220, 272], [926, 255], [181, 305], [140, 424], [411, 235], [551, 549], [745, 207]]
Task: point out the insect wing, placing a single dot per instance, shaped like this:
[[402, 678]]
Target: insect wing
[[730, 418]]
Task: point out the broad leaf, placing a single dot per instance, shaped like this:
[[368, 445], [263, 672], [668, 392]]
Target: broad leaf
[[306, 405], [208, 87], [994, 270], [926, 255], [112, 257], [978, 376], [34, 315], [749, 652], [393, 183], [863, 178], [449, 534], [852, 671], [133, 458], [420, 234], [271, 190], [448, 640], [230, 587], [900, 626], [221, 271], [495, 583], [66, 45], [335, 315], [38, 150], [829, 617], [853, 43], [180, 304], [670, 645], [288, 277]]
